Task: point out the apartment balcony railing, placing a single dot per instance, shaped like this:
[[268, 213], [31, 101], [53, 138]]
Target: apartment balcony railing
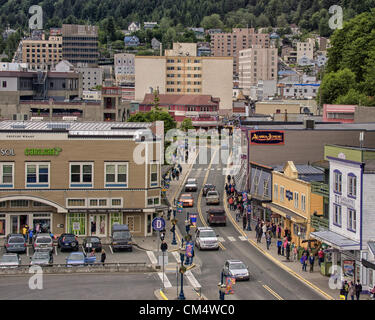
[[319, 223], [320, 188]]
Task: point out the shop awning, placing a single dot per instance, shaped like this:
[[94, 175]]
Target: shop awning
[[284, 212], [240, 178], [260, 197], [371, 247], [368, 264], [335, 240]]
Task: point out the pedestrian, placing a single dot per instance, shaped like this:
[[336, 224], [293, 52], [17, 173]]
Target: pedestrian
[[177, 175], [235, 203], [169, 213], [295, 253], [24, 232], [264, 229], [260, 233], [30, 235], [232, 190], [358, 289], [286, 232], [103, 257], [351, 290], [226, 187], [311, 260], [287, 250], [237, 214], [320, 256], [304, 262], [179, 168], [230, 200], [257, 231], [345, 288], [284, 246], [228, 178], [268, 240], [173, 174], [278, 231], [279, 243], [273, 229], [244, 221]]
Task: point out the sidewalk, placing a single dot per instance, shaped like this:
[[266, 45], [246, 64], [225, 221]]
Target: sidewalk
[[314, 279]]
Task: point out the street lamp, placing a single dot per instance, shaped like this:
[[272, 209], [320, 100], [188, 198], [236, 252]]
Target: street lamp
[[174, 222], [182, 270], [221, 286]]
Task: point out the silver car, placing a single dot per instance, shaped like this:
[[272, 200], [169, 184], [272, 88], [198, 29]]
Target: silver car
[[236, 269], [212, 197], [206, 238], [191, 185], [41, 258], [43, 241], [10, 260]]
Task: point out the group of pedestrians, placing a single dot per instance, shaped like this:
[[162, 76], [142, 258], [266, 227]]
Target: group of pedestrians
[[351, 289], [235, 200], [175, 172]]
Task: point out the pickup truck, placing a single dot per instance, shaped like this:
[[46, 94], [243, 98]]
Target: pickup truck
[[216, 216]]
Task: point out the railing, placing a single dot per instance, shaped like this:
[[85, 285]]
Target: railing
[[320, 188], [319, 223]]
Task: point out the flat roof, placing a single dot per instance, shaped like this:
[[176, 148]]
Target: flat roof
[[318, 126]]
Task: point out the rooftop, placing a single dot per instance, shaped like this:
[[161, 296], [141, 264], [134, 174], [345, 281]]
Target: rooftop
[[182, 99], [318, 126]]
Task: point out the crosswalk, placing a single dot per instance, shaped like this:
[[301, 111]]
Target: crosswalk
[[232, 239]]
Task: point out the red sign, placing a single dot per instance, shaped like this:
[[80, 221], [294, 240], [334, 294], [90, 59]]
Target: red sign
[[270, 137]]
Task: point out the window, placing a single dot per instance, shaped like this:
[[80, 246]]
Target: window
[[265, 187], [6, 175], [72, 203], [256, 184], [352, 185], [296, 199], [97, 202], [303, 202], [154, 175], [153, 201], [276, 191], [352, 220], [282, 192], [116, 202], [116, 174], [81, 175], [337, 187], [3, 204], [38, 204], [19, 203], [37, 175], [337, 215], [4, 84]]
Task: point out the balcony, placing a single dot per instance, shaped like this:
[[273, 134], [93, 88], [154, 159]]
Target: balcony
[[319, 223], [320, 188]]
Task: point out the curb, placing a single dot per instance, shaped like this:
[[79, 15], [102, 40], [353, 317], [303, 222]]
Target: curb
[[163, 295]]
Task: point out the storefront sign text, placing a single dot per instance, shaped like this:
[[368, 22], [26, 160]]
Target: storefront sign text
[[344, 201], [7, 152], [266, 137], [43, 152]]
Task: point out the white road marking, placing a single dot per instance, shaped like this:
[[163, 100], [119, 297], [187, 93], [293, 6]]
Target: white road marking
[[167, 284], [192, 280], [152, 257], [242, 238], [221, 239], [232, 239], [176, 256]]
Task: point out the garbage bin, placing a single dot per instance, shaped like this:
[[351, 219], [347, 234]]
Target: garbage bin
[[325, 267], [300, 252]]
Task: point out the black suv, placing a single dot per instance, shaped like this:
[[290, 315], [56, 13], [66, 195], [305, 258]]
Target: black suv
[[68, 241]]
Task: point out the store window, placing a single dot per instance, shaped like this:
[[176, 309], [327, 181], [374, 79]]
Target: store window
[[154, 175], [37, 175], [116, 218], [352, 185], [296, 199], [337, 215], [276, 191], [77, 223], [81, 175], [337, 187], [74, 203], [2, 225], [303, 202], [352, 220], [282, 193], [6, 175]]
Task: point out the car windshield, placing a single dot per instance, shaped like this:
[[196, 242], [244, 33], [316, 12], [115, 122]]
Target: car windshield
[[96, 240], [237, 266], [186, 197], [69, 237], [44, 240], [208, 186], [191, 181], [119, 235], [217, 213], [212, 193], [76, 256], [16, 240], [207, 234], [8, 258], [40, 255]]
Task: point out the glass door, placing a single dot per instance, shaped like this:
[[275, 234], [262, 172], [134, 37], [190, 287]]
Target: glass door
[[98, 225], [14, 226]]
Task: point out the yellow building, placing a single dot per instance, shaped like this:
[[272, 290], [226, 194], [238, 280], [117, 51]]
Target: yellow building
[[293, 203]]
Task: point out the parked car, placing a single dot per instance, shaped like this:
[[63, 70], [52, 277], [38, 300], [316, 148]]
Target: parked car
[[41, 258], [236, 269], [121, 237], [15, 242], [68, 241], [10, 260], [212, 197], [43, 241], [207, 187], [206, 238], [92, 242], [187, 200], [216, 216], [191, 185], [79, 259]]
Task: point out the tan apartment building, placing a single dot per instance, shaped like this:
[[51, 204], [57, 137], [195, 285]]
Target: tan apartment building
[[230, 44], [256, 63], [80, 44], [79, 177], [305, 49], [181, 71], [42, 54]]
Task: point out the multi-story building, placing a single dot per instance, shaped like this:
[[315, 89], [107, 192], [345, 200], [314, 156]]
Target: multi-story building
[[338, 113], [80, 44], [48, 178], [91, 77], [181, 71], [230, 44], [305, 49], [351, 235], [256, 64], [134, 26], [124, 68], [300, 91], [42, 53]]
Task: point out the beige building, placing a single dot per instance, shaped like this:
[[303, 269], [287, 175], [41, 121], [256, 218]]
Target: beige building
[[42, 54], [181, 71], [256, 64], [79, 177], [282, 107], [124, 68], [305, 49], [230, 44]]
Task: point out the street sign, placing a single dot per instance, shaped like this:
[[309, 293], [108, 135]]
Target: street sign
[[158, 224]]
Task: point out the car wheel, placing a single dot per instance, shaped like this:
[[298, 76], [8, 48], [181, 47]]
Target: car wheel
[[130, 249]]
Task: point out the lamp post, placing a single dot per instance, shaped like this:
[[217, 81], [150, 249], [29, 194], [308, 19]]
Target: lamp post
[[182, 270], [174, 222], [221, 286]]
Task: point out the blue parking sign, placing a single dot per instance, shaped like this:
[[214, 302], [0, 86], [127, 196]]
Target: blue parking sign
[[158, 224]]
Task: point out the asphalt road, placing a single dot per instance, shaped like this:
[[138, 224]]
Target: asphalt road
[[269, 281]]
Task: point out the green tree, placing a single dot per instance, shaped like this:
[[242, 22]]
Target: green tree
[[154, 115], [212, 22], [354, 97], [186, 124]]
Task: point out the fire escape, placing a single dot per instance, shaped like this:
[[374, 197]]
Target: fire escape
[[40, 85]]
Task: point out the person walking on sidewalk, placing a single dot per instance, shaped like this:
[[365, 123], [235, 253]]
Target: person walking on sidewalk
[[351, 290], [230, 200], [177, 174], [287, 250], [345, 289], [237, 214], [173, 174], [283, 249], [279, 244], [264, 229], [358, 289], [244, 221], [321, 256], [295, 253], [103, 257], [268, 240], [179, 168], [278, 231], [274, 230], [311, 260], [304, 262]]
